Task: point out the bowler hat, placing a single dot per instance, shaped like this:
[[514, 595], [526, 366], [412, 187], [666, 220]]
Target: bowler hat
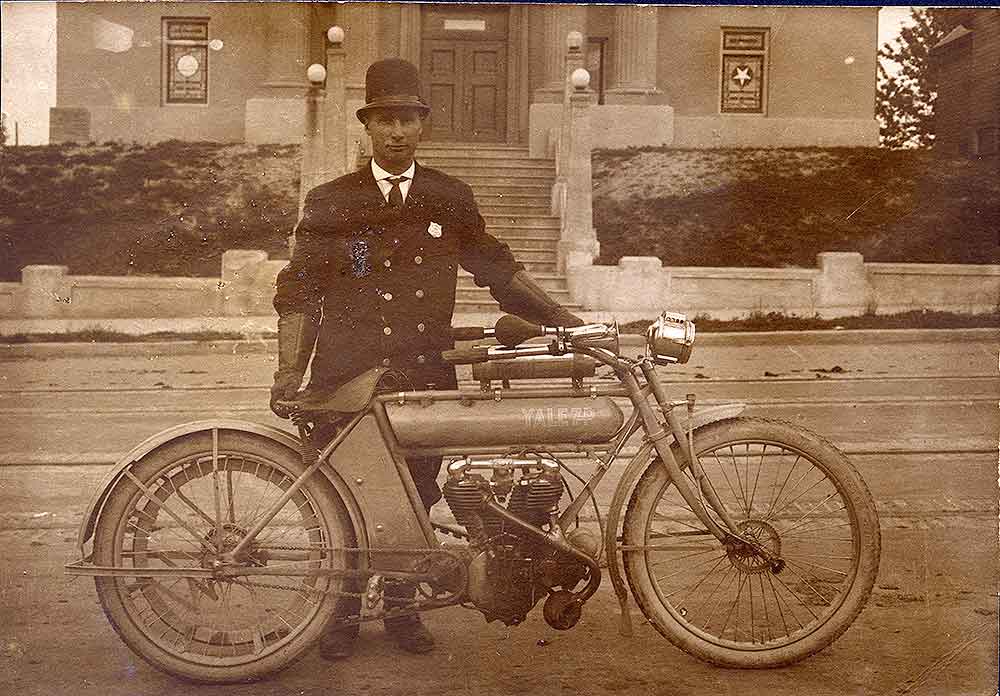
[[392, 82]]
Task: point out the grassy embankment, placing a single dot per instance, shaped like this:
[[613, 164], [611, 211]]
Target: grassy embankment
[[777, 208], [165, 209], [174, 207]]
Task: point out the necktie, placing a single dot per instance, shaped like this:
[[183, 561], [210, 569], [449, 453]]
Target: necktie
[[395, 194]]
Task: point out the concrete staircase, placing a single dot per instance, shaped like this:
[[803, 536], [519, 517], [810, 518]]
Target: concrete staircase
[[513, 192]]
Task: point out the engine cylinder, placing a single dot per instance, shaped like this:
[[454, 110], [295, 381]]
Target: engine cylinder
[[533, 498]]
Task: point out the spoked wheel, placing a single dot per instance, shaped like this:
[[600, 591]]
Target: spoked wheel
[[804, 570], [193, 500]]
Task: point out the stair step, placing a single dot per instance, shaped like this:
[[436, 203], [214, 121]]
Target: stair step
[[472, 174], [535, 222], [462, 305], [546, 280], [524, 253], [500, 163], [523, 205], [490, 150], [499, 187], [518, 245], [537, 240], [560, 295], [539, 267]]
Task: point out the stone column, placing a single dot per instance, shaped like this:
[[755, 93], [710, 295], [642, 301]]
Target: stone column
[[360, 21], [578, 240], [276, 114], [557, 21], [633, 56], [335, 116]]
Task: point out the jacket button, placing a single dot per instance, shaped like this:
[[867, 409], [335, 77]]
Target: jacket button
[[387, 296], [387, 263], [419, 293], [421, 326], [387, 330], [386, 361], [418, 260], [421, 359]]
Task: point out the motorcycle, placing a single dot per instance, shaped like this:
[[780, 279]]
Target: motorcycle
[[221, 550]]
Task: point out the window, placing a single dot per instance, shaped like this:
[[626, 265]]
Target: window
[[185, 60], [744, 71]]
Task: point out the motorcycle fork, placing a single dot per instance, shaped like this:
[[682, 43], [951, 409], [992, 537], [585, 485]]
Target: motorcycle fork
[[659, 438]]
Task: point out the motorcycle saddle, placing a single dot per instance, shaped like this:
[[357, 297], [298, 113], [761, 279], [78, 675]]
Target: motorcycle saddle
[[354, 395]]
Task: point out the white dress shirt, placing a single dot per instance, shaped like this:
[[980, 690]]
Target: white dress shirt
[[384, 186]]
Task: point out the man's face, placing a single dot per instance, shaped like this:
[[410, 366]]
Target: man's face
[[395, 134]]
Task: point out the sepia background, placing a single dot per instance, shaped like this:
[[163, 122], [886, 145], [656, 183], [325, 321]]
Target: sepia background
[[817, 187]]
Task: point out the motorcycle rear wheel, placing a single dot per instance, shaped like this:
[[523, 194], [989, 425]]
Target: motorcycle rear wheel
[[800, 499], [227, 630]]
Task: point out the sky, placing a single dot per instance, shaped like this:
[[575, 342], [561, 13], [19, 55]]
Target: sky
[[28, 56]]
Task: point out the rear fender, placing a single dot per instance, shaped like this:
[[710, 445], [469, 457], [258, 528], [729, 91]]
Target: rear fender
[[634, 469], [282, 437]]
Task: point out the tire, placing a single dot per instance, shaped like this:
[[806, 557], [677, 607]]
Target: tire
[[228, 630], [801, 499]]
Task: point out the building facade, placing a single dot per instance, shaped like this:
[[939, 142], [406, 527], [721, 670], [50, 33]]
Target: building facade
[[683, 76], [967, 108]]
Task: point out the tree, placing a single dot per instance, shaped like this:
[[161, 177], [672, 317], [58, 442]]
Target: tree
[[906, 88]]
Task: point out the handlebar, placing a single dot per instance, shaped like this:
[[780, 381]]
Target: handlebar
[[510, 332]]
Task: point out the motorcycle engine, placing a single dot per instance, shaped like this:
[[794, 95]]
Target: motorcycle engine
[[511, 570]]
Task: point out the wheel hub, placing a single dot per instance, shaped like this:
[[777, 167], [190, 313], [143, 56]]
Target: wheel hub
[[760, 552], [231, 535]]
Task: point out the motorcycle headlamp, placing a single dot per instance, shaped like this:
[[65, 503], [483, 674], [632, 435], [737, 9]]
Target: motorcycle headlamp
[[669, 339]]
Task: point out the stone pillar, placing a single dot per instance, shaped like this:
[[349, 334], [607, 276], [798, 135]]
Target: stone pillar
[[573, 59], [312, 145], [276, 114], [409, 32], [360, 21], [633, 56], [578, 240], [842, 285], [557, 21], [335, 116], [43, 291]]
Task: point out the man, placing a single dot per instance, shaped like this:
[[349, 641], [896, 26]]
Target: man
[[372, 283]]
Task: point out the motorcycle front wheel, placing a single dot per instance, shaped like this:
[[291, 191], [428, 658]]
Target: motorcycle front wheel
[[799, 583], [197, 497]]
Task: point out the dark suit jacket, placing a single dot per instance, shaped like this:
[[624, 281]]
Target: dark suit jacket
[[385, 280]]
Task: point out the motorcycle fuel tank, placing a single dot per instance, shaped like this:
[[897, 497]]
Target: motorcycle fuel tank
[[477, 423]]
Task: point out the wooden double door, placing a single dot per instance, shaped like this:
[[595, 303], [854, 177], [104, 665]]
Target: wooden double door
[[465, 80]]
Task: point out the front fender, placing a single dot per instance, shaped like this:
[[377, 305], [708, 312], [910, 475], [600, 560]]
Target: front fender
[[624, 488], [283, 437]]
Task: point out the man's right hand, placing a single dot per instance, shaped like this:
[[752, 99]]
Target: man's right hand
[[285, 388]]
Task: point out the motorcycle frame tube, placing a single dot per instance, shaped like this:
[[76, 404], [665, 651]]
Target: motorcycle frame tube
[[626, 373], [287, 495]]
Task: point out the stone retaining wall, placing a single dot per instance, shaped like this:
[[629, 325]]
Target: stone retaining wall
[[841, 284]]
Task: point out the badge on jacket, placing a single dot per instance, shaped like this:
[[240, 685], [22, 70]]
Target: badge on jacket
[[434, 230]]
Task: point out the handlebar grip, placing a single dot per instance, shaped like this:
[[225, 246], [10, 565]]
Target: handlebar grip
[[467, 333], [466, 356], [512, 331]]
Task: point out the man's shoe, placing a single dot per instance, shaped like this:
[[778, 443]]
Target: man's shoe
[[338, 643], [410, 634]]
